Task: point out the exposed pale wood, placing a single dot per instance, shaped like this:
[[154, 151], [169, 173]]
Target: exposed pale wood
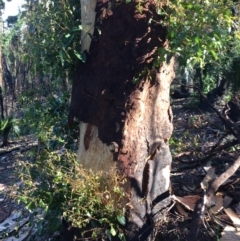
[[96, 155], [235, 219], [88, 15], [230, 234]]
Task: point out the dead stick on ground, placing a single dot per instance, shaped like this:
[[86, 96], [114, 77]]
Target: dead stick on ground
[[185, 153], [200, 205], [223, 147], [224, 177]]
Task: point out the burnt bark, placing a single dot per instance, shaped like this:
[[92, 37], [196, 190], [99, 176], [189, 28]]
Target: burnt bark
[[135, 119], [5, 136], [1, 103], [1, 85], [9, 78]]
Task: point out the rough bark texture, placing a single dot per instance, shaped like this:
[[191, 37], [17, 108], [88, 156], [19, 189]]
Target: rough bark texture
[[134, 121]]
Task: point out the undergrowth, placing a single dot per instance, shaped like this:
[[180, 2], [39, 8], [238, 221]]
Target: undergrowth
[[61, 188], [55, 185]]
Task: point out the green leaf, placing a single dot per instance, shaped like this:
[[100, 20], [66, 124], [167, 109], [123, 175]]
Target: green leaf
[[81, 56], [121, 237], [161, 13], [214, 54], [25, 58], [113, 231], [121, 219], [78, 28], [196, 40]]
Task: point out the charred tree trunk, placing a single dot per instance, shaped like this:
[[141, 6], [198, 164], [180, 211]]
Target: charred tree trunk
[[1, 103], [124, 124], [1, 85], [199, 75], [5, 136], [222, 79], [9, 78]]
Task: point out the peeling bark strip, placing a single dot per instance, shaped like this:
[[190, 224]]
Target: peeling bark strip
[[122, 121]]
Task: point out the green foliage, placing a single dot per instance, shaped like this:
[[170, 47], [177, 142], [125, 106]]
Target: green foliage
[[226, 67], [8, 125], [176, 144], [53, 36], [198, 31], [96, 198], [47, 119], [12, 36], [55, 183]]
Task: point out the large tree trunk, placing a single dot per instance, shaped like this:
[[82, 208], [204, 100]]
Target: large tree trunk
[[124, 124]]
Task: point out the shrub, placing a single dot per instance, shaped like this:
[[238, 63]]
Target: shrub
[[58, 185]]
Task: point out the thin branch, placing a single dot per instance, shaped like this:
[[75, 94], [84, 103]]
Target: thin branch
[[205, 159], [224, 177]]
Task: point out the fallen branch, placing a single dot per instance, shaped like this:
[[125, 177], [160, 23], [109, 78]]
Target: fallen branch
[[185, 153], [218, 143], [223, 177], [19, 147], [205, 159], [223, 147]]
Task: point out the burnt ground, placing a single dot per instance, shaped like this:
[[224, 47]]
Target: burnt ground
[[195, 133]]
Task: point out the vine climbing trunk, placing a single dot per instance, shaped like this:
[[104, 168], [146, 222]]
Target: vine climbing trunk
[[126, 124]]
